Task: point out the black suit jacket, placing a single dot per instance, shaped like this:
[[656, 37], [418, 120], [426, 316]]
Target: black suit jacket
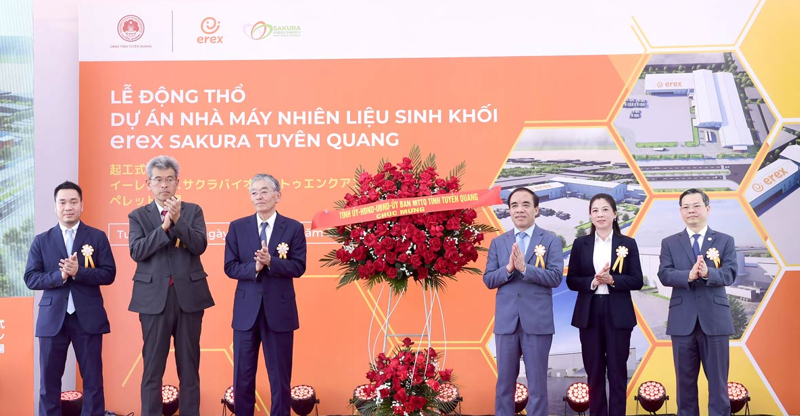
[[157, 258], [43, 273], [581, 273], [273, 286]]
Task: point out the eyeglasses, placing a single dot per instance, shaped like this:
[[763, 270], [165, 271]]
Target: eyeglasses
[[692, 207], [262, 192], [159, 180]]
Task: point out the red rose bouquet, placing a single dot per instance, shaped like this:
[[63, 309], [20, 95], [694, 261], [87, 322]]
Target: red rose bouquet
[[428, 247], [407, 383]]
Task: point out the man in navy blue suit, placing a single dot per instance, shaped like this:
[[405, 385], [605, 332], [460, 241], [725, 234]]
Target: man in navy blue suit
[[69, 263], [698, 263], [264, 252]]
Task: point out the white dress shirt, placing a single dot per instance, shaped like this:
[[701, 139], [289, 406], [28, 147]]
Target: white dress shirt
[[699, 243], [601, 257], [270, 221], [529, 231], [702, 236]]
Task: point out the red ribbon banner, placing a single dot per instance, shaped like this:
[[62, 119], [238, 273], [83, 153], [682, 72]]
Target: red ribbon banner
[[391, 208]]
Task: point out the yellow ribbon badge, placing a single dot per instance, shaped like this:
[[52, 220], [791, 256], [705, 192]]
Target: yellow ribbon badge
[[283, 248], [622, 252], [713, 255], [177, 242], [539, 251], [87, 252]]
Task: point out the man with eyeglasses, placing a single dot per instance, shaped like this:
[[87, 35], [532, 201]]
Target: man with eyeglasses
[[698, 263], [265, 252], [170, 290]]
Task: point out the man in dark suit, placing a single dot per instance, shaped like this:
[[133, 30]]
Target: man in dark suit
[[170, 290], [68, 263], [698, 263], [524, 265], [264, 252]]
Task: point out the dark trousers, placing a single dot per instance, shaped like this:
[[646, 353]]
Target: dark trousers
[[157, 330], [534, 349], [278, 359], [53, 357], [605, 352], [711, 350]]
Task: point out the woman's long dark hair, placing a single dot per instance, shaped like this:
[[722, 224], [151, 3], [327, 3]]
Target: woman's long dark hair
[[610, 199]]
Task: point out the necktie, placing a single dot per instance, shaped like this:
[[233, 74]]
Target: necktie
[[164, 214], [69, 243], [696, 245], [264, 226], [522, 242]]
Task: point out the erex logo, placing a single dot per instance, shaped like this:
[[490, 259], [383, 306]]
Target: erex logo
[[209, 26]]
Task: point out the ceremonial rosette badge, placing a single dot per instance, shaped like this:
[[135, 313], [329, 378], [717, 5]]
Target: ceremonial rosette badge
[[622, 252], [283, 250], [539, 251], [87, 252], [713, 255]]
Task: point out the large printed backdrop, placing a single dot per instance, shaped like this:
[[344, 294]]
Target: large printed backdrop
[[529, 120]]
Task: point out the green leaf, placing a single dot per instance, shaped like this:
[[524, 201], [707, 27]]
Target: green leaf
[[459, 170], [430, 162], [381, 163], [415, 155]]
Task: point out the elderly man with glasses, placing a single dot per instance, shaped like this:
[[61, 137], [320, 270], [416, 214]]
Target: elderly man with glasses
[[170, 290]]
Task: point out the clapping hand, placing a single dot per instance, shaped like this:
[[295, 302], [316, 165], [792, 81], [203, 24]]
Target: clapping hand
[[68, 266], [262, 257]]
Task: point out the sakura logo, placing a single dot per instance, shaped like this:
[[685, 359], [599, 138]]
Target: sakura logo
[[130, 28]]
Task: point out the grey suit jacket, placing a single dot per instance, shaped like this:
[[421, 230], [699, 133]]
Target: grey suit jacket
[[525, 299], [157, 259], [702, 299]]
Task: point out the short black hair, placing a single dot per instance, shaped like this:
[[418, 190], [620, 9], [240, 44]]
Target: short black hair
[[523, 189], [693, 191], [68, 185]]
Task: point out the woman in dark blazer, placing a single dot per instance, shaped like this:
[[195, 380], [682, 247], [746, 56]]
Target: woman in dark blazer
[[603, 268]]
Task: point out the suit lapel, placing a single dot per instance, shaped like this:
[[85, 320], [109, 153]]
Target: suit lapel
[[277, 234], [154, 215], [536, 239], [253, 233], [58, 239], [616, 241], [686, 244], [708, 242], [508, 241], [80, 237], [588, 258]]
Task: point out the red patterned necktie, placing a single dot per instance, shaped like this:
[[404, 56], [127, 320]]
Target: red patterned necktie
[[164, 214]]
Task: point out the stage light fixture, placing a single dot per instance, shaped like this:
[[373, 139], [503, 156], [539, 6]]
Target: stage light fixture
[[578, 397], [227, 400], [448, 398], [304, 398], [361, 395], [651, 396], [520, 398], [738, 395], [169, 399], [71, 403]]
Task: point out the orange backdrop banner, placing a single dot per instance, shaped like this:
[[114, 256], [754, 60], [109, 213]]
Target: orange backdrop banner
[[16, 356], [218, 160], [406, 206]]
